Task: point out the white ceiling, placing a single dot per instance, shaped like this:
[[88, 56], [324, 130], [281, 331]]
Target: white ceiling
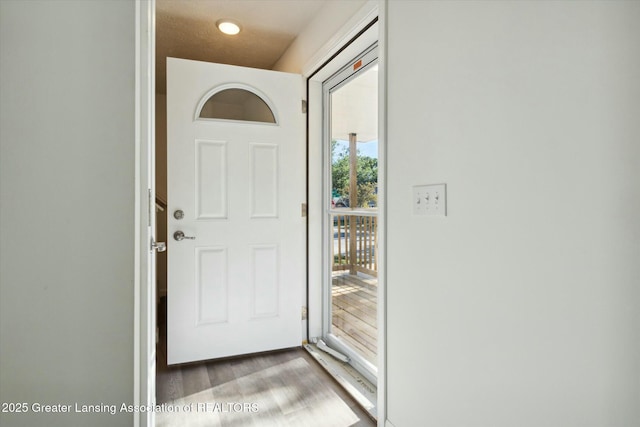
[[186, 29]]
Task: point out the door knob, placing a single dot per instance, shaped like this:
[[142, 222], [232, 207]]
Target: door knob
[[179, 235]]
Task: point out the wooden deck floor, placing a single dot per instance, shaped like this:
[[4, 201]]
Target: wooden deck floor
[[354, 312]]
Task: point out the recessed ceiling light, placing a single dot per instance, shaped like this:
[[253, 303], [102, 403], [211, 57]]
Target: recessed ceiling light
[[228, 26]]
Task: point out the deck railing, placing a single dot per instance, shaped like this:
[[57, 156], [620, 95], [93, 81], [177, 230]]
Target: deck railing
[[355, 243]]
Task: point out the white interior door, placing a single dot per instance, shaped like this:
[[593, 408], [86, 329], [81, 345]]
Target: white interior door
[[239, 179]]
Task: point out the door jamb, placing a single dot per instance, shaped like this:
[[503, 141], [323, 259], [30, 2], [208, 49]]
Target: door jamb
[[144, 286]]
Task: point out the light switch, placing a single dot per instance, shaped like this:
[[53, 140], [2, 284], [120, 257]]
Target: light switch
[[430, 200]]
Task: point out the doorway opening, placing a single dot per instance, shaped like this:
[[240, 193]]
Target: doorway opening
[[366, 24]]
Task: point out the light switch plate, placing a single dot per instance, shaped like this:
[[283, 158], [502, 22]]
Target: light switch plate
[[430, 200]]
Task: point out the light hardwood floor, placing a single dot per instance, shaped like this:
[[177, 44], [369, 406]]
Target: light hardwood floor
[[354, 312], [282, 388]]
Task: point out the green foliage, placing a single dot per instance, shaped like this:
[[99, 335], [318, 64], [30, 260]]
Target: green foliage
[[366, 194], [366, 171]]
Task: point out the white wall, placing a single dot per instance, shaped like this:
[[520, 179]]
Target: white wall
[[66, 207], [324, 26], [522, 307]]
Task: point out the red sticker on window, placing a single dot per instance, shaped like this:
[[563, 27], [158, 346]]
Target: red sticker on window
[[357, 65]]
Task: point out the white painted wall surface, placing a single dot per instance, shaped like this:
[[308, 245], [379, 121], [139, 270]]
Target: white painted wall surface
[[522, 307], [66, 208], [329, 21]]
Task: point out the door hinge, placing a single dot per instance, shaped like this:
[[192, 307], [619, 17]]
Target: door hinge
[[304, 107], [303, 210], [304, 313]]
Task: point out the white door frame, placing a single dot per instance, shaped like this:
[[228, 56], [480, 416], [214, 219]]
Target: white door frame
[[338, 52], [144, 285], [144, 288], [368, 58]]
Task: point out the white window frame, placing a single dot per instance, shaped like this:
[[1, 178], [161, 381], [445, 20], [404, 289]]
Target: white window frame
[[369, 59]]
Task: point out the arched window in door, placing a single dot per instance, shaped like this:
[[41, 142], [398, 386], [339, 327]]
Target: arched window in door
[[235, 102]]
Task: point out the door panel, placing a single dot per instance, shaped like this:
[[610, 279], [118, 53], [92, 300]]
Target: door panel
[[236, 288], [212, 285], [264, 180], [211, 179]]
